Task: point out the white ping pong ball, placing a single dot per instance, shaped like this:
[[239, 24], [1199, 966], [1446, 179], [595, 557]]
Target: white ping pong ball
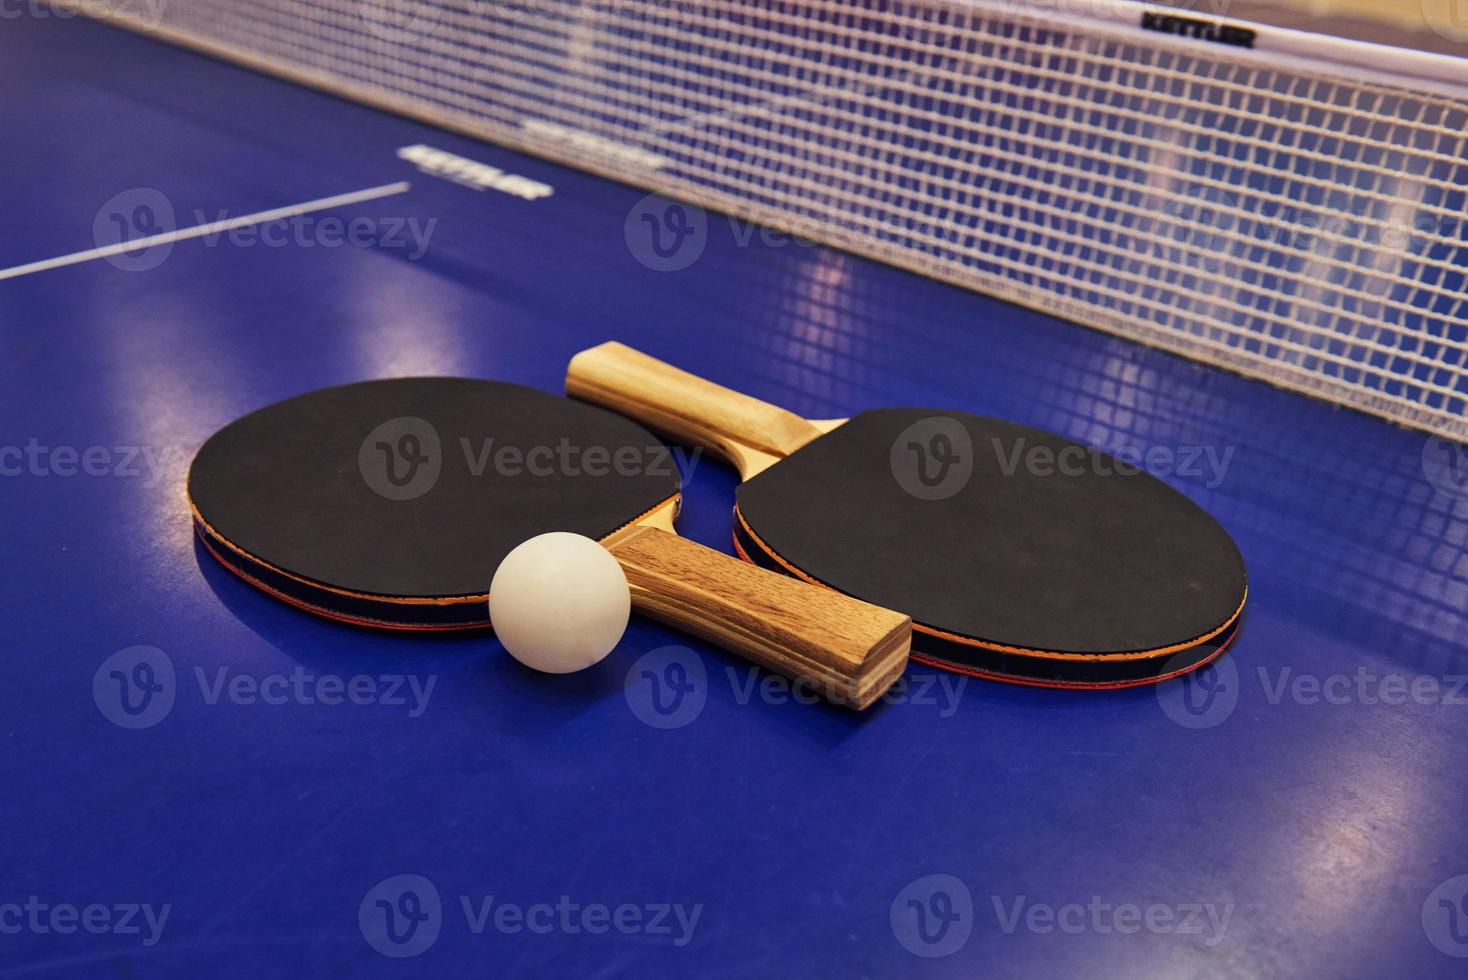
[[559, 602]]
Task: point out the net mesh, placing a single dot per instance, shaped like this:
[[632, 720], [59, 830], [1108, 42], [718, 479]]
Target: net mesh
[[1301, 226]]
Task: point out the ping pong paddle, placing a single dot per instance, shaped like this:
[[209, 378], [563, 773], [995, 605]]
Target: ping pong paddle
[[1020, 555], [391, 503]]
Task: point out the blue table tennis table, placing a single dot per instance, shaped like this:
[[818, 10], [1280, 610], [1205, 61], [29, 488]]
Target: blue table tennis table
[[199, 781]]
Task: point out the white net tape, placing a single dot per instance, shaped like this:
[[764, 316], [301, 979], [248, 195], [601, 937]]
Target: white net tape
[[1281, 218]]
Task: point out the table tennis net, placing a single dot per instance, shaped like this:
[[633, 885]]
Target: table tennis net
[[1295, 222]]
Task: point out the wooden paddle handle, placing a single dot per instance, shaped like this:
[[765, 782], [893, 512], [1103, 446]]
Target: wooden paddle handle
[[845, 649], [685, 406]]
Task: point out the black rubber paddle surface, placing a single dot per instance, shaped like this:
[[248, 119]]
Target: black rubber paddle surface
[[416, 487], [971, 527]]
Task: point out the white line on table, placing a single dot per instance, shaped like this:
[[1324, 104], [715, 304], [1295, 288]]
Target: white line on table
[[214, 227]]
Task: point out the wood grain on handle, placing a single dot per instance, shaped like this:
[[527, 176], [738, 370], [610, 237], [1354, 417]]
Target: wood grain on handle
[[749, 433], [848, 650]]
